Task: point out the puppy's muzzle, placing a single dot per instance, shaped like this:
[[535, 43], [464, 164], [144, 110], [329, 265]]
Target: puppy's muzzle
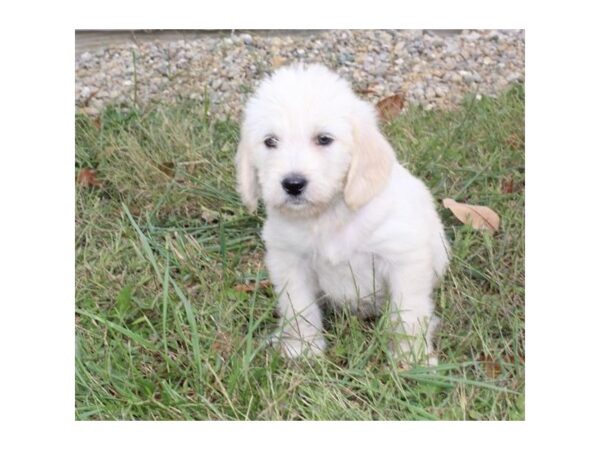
[[294, 184]]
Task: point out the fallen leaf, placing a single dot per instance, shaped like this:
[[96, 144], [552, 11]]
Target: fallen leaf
[[491, 367], [508, 186], [87, 178], [515, 141], [365, 91], [97, 122], [223, 344], [479, 217], [192, 288], [391, 106], [168, 168], [250, 287]]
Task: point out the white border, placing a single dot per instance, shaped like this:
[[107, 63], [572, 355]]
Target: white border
[[37, 229]]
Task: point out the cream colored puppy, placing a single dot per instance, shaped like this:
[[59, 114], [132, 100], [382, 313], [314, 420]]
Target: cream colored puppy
[[345, 221]]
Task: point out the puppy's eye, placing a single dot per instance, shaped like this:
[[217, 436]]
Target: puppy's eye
[[271, 141], [324, 139]]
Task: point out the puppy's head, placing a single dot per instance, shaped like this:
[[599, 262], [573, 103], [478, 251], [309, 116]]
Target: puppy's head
[[307, 140]]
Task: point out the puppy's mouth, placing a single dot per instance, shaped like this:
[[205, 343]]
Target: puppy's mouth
[[295, 205], [300, 207], [295, 202]]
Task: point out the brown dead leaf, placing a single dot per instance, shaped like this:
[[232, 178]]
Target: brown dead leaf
[[251, 287], [223, 344], [97, 122], [390, 107], [479, 217], [168, 168], [508, 186], [365, 91], [87, 178], [515, 141], [491, 367]]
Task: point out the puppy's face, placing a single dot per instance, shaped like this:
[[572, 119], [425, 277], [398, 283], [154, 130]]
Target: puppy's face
[[302, 160], [299, 140]]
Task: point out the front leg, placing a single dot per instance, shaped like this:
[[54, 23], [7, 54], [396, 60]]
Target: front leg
[[301, 327], [411, 285]]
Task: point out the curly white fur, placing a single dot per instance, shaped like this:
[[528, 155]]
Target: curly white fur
[[363, 230]]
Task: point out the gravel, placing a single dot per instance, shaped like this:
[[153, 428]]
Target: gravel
[[432, 69]]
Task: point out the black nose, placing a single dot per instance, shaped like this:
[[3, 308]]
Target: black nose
[[294, 184]]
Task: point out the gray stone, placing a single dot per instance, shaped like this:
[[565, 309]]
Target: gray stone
[[419, 93], [452, 47], [455, 77], [472, 36], [515, 76], [246, 39], [441, 90], [345, 58], [470, 77], [163, 69]]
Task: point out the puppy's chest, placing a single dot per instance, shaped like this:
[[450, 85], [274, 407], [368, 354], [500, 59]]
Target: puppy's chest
[[346, 271], [358, 278]]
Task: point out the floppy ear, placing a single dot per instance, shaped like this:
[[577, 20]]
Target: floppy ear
[[371, 164], [247, 183]]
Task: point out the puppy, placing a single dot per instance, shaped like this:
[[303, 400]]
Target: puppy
[[345, 221]]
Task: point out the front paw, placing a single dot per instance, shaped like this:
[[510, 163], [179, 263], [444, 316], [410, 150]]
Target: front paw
[[294, 347]]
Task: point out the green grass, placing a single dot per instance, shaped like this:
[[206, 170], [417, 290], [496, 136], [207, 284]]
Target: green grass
[[164, 332]]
